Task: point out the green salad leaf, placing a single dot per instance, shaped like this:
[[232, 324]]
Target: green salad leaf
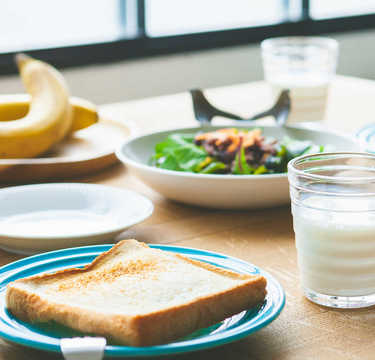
[[241, 166], [289, 149], [178, 152], [174, 141], [189, 157], [213, 168], [296, 148]]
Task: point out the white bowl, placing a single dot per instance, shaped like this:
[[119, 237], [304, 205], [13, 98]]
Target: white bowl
[[36, 218], [221, 191]]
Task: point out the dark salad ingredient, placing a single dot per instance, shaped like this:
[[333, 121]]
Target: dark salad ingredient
[[229, 151]]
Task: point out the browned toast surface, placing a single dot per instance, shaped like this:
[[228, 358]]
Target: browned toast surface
[[136, 295]]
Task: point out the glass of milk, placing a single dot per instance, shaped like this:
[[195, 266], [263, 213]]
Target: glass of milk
[[333, 207], [305, 65]]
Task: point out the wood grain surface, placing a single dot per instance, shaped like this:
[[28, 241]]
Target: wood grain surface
[[264, 237]]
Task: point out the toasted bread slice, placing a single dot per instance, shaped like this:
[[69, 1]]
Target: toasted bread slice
[[136, 295]]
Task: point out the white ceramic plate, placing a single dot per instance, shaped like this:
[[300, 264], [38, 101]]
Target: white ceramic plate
[[36, 218], [221, 191]]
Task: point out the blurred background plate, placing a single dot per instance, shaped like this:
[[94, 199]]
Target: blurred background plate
[[85, 152], [366, 136]]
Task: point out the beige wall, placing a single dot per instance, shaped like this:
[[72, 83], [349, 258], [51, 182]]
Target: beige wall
[[175, 73]]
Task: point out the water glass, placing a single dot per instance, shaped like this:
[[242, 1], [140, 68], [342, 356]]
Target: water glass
[[305, 65]]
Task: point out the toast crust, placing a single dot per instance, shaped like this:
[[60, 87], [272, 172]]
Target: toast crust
[[152, 328]]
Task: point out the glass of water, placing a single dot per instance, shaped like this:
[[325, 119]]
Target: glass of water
[[305, 65]]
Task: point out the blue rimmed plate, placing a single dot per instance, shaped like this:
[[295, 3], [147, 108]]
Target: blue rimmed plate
[[48, 337]]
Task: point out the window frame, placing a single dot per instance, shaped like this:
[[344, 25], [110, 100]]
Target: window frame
[[142, 46]]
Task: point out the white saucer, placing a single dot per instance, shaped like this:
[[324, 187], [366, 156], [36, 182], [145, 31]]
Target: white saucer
[[37, 218]]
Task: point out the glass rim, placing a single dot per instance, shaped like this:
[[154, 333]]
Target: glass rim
[[292, 170], [269, 44]]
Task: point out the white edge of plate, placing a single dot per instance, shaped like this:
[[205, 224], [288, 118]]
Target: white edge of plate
[[117, 229]]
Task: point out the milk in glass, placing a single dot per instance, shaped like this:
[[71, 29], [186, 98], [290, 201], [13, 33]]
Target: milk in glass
[[336, 249]]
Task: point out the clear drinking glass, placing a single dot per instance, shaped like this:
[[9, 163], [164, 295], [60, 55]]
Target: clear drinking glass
[[333, 207], [305, 65]]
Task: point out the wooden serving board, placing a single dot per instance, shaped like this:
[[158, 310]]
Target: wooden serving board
[[84, 152]]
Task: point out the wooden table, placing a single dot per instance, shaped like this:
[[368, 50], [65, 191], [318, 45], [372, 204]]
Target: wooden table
[[264, 237]]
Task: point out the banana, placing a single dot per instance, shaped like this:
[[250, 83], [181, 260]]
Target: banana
[[50, 116], [85, 114], [16, 106]]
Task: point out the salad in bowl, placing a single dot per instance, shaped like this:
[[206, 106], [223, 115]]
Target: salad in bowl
[[226, 168], [229, 151]]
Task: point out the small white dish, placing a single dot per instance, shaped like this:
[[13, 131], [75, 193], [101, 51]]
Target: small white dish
[[222, 191], [44, 217]]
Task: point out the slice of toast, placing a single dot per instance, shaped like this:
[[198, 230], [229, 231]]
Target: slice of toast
[[135, 295]]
